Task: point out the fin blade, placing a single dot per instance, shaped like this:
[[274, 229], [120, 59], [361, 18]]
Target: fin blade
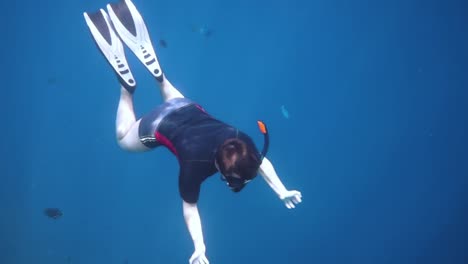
[[109, 45], [131, 28]]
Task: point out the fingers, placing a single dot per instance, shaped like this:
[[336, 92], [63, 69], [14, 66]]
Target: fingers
[[291, 198], [289, 204], [297, 198], [202, 260], [199, 260], [294, 199]]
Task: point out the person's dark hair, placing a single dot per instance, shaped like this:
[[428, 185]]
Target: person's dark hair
[[235, 156]]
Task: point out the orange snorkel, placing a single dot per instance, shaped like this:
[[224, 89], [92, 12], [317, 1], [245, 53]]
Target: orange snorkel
[[266, 138]]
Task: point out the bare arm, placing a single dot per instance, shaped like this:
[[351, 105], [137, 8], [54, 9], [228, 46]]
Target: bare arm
[[192, 219], [290, 198]]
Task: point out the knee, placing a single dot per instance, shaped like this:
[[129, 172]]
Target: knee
[[122, 138], [121, 132]]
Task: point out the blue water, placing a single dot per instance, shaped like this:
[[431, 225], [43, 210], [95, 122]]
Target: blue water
[[376, 140]]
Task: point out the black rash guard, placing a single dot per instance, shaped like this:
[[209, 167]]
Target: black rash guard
[[194, 137]]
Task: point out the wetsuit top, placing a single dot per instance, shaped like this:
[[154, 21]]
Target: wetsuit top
[[194, 137]]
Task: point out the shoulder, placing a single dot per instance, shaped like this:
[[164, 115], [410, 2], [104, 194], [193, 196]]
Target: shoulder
[[191, 176]]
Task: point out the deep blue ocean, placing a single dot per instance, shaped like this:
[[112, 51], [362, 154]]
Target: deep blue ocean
[[375, 134]]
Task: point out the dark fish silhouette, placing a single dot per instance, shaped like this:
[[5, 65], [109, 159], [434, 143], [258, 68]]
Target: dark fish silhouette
[[163, 43], [52, 81], [53, 213]]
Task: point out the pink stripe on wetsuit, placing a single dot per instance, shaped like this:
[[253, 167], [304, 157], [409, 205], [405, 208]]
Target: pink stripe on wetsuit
[[166, 142]]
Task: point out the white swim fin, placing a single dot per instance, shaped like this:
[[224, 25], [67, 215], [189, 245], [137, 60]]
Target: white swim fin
[[131, 28], [110, 46]]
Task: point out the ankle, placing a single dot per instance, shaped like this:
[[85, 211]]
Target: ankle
[[128, 89], [126, 92]]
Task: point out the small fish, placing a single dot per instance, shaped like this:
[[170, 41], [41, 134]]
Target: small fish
[[163, 43], [203, 30], [51, 81], [285, 112], [53, 213]]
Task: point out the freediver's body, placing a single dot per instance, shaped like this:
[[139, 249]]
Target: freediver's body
[[202, 144]]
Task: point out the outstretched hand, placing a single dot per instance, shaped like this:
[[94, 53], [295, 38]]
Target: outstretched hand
[[198, 257], [291, 198]]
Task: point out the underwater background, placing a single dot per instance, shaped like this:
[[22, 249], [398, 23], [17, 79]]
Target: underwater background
[[366, 103]]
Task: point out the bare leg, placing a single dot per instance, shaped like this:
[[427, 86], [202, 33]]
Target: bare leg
[[126, 124], [129, 25]]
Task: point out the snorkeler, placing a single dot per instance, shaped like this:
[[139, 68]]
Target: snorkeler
[[202, 144]]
